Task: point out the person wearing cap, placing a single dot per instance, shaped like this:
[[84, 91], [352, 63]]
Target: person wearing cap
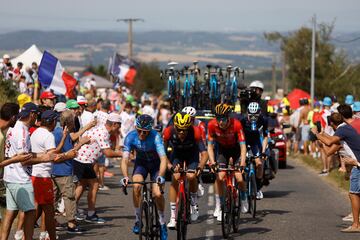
[[19, 188], [22, 99], [325, 125], [86, 116], [356, 110], [43, 141], [86, 158], [349, 100], [47, 99]]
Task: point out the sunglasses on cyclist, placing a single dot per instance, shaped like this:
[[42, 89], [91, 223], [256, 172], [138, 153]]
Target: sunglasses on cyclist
[[142, 132], [181, 130], [253, 117], [222, 119]]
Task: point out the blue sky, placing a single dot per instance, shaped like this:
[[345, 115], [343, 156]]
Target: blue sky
[[193, 15]]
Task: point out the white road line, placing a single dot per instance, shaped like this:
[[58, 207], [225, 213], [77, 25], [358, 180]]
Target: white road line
[[210, 221], [211, 189]]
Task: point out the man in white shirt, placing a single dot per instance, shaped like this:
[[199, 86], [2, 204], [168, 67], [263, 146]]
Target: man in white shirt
[[86, 116], [127, 121], [19, 189], [86, 158], [43, 141]]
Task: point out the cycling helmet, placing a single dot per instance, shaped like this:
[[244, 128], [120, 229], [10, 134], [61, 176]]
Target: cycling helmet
[[144, 122], [189, 110], [253, 108], [223, 109], [182, 120], [257, 84]]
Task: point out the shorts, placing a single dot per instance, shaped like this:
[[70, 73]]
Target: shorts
[[83, 171], [256, 149], [305, 130], [20, 196], [43, 190], [145, 168], [191, 163], [224, 154], [355, 180], [312, 136], [101, 160]]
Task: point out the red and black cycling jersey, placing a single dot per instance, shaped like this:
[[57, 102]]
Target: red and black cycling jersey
[[192, 144], [227, 138]]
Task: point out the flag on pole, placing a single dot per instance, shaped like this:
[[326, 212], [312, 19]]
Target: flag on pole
[[123, 68], [53, 76]]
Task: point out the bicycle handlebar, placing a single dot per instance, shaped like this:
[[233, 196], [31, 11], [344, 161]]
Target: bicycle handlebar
[[142, 183]]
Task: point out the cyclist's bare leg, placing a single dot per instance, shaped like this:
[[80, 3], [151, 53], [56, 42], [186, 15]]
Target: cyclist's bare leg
[[137, 190], [160, 202], [137, 195], [7, 223], [173, 190], [193, 182], [220, 183], [259, 168], [239, 178]]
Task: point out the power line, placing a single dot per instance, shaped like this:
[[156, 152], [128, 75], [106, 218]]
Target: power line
[[346, 41]]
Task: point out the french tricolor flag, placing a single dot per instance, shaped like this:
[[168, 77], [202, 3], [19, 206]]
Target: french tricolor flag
[[127, 74], [52, 76]]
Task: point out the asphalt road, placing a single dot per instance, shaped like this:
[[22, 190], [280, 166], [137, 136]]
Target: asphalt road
[[296, 205]]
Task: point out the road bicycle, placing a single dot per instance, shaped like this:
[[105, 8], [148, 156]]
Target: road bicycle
[[250, 179], [187, 93], [183, 204], [214, 86], [231, 206], [231, 84], [149, 218], [173, 85]]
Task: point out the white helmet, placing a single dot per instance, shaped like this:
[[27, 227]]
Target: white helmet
[[189, 110], [257, 84], [253, 108]]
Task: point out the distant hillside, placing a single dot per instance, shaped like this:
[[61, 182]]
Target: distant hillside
[[78, 49]]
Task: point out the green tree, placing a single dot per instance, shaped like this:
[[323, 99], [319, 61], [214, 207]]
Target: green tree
[[99, 70], [297, 48], [148, 79], [8, 91]]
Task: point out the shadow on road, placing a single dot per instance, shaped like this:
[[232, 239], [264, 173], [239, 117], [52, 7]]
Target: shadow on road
[[265, 212], [276, 194], [289, 167], [258, 230], [212, 237]]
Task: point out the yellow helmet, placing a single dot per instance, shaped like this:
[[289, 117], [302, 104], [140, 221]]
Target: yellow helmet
[[182, 120], [223, 109]]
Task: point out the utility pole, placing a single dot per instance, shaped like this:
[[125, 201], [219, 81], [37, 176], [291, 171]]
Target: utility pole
[[273, 67], [312, 90], [130, 36], [283, 71]]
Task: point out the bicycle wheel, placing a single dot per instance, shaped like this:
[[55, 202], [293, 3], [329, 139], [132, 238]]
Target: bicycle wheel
[[252, 195], [154, 222], [145, 232], [236, 210], [181, 226], [226, 213]]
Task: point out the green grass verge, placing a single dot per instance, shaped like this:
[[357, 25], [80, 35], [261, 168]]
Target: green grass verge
[[334, 177]]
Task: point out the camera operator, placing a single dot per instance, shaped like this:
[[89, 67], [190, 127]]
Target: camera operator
[[253, 94]]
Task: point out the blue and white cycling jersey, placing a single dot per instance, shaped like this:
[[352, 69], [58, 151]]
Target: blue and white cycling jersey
[[149, 150]]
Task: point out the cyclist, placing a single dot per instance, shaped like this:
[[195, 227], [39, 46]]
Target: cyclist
[[185, 141], [150, 158], [202, 126], [228, 135], [258, 87], [256, 135]]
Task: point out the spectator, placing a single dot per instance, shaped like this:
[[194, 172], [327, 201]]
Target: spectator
[[17, 70], [16, 176], [85, 117], [47, 99], [304, 125], [356, 110], [349, 100], [349, 133], [83, 164]]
